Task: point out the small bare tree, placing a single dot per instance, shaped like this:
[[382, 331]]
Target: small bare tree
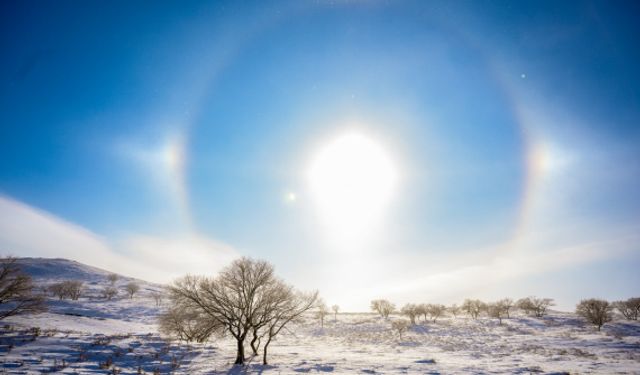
[[535, 306], [187, 325], [112, 278], [630, 308], [383, 307], [17, 292], [335, 309], [109, 292], [507, 304], [595, 311], [58, 290], [410, 310], [157, 297], [435, 311], [400, 326], [73, 289], [283, 306], [473, 307], [321, 311], [497, 310], [454, 310], [422, 310], [132, 288], [66, 289]]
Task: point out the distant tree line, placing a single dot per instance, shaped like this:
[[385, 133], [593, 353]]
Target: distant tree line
[[73, 289], [594, 311]]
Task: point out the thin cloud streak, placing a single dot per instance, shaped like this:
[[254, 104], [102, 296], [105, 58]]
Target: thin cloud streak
[[28, 231]]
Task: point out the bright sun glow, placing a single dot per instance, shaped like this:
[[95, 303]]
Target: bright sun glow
[[352, 180]]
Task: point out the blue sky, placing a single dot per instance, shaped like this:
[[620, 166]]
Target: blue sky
[[167, 137]]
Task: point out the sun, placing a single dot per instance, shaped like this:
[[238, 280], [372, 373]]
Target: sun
[[352, 180]]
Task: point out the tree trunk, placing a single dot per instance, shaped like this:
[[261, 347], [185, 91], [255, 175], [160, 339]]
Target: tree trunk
[[264, 351], [240, 354], [254, 347]]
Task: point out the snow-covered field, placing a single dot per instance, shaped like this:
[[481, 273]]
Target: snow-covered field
[[120, 336]]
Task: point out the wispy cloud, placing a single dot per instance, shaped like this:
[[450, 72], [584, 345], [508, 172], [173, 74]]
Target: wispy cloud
[[481, 278], [28, 231]]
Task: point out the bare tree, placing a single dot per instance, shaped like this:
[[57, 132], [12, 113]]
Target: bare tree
[[157, 297], [321, 311], [73, 289], [112, 278], [283, 306], [132, 288], [541, 305], [454, 310], [58, 290], [400, 326], [498, 310], [187, 324], [630, 308], [278, 305], [435, 311], [535, 306], [229, 300], [410, 311], [422, 310], [335, 309], [17, 292], [66, 289], [507, 304], [383, 307], [595, 311], [109, 292], [473, 307]]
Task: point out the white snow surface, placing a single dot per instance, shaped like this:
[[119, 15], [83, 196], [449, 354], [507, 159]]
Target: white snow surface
[[92, 335]]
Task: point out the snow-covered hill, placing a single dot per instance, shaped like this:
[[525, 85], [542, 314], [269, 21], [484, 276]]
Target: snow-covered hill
[[49, 270], [92, 312]]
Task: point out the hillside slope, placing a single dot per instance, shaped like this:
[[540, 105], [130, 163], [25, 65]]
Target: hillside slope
[[92, 312]]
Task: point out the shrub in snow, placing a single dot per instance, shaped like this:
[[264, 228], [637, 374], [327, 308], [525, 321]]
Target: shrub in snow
[[187, 324], [535, 306], [595, 311], [321, 311], [473, 307], [383, 307], [400, 326], [507, 304], [66, 289], [435, 311], [109, 292], [630, 308], [410, 311], [157, 297], [57, 290], [454, 310], [17, 292], [335, 309], [497, 310], [132, 288]]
